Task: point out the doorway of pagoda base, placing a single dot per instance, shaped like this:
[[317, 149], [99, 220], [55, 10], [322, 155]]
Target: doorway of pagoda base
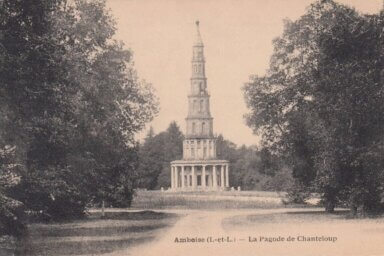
[[199, 177]]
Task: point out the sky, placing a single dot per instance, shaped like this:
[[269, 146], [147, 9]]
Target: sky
[[237, 36]]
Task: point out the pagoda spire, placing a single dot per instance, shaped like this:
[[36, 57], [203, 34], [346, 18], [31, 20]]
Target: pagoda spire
[[199, 169], [198, 79], [199, 120], [198, 40]]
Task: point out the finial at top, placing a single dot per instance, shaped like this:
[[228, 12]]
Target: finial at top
[[198, 40]]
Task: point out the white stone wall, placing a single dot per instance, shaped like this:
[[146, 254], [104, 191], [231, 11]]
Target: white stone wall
[[198, 149]]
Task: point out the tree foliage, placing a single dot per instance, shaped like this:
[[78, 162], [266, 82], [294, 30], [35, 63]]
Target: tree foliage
[[250, 168], [11, 210], [155, 156], [320, 104], [71, 103]]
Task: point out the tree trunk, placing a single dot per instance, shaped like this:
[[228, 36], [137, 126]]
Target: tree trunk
[[102, 209], [330, 201], [330, 206]]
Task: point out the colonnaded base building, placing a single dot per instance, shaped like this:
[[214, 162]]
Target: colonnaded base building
[[199, 169]]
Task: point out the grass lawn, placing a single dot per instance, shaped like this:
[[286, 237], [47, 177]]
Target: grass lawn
[[349, 236], [289, 218], [208, 200], [93, 235]]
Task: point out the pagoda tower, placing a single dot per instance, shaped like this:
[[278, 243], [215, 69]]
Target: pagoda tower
[[199, 169]]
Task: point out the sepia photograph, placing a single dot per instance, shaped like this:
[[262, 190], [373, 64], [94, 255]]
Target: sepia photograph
[[192, 127]]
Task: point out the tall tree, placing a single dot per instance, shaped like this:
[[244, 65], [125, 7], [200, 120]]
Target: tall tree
[[72, 102], [320, 103]]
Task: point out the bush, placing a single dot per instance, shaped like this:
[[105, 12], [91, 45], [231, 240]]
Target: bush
[[11, 217], [298, 194]]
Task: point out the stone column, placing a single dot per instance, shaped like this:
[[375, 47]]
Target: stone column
[[188, 180], [227, 175], [172, 178], [214, 176], [222, 175], [203, 178], [210, 150], [193, 177], [182, 176], [176, 177]]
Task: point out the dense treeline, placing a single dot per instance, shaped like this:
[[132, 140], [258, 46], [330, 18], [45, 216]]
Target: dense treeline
[[320, 106], [155, 155], [250, 168], [70, 104]]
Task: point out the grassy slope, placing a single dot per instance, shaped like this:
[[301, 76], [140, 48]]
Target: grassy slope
[[207, 200]]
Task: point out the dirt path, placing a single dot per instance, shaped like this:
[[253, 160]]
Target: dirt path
[[208, 225], [235, 235]]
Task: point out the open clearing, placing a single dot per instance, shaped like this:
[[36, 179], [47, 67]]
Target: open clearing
[[220, 223], [353, 236]]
